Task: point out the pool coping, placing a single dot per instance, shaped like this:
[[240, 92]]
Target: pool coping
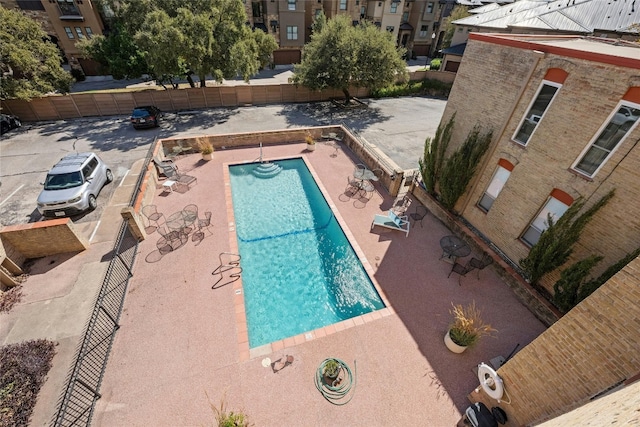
[[244, 350]]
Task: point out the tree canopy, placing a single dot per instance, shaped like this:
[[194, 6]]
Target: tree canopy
[[458, 12], [30, 63], [177, 38], [341, 56]]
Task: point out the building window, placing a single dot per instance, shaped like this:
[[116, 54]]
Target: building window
[[600, 149], [430, 7], [292, 32], [69, 32], [536, 110], [343, 4], [556, 206], [405, 16], [499, 179], [291, 4], [256, 9], [30, 5], [394, 7], [68, 8], [424, 29], [552, 81], [88, 31], [390, 29], [79, 33]]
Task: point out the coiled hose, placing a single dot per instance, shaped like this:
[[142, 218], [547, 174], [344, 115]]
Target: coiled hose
[[333, 393]]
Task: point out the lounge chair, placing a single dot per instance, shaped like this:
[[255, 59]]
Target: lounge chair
[[163, 167], [392, 221]]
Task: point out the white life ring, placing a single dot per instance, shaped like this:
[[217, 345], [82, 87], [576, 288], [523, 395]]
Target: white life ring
[[490, 381]]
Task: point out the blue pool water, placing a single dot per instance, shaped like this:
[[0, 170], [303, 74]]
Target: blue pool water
[[299, 271]]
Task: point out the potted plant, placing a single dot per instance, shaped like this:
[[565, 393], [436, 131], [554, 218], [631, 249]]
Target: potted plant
[[331, 370], [466, 329], [206, 149], [311, 143]]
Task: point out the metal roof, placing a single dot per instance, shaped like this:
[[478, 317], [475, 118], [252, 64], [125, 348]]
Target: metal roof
[[578, 16]]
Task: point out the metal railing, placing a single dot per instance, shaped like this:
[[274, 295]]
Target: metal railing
[[83, 383], [77, 403], [382, 161]]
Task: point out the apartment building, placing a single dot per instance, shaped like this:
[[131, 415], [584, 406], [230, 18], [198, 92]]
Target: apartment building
[[66, 22], [415, 24]]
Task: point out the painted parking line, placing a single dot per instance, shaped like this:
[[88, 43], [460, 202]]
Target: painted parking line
[[10, 195], [124, 177]]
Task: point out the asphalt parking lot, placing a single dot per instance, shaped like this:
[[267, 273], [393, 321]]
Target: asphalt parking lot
[[398, 126]]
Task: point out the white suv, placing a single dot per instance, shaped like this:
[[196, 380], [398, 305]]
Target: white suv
[[72, 185]]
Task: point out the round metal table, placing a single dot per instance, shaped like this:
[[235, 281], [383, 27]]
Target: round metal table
[[454, 247]]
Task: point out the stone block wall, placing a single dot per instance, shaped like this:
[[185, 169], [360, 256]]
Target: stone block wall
[[587, 352], [589, 94], [38, 239]]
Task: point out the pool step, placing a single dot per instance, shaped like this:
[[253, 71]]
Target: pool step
[[267, 170]]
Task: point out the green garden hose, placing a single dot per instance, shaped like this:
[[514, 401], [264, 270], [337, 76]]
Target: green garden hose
[[334, 392]]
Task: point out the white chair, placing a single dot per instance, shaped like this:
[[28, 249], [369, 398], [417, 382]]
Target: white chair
[[392, 221]]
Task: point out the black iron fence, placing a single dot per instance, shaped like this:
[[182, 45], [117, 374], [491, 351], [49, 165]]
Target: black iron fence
[[77, 403], [83, 383]]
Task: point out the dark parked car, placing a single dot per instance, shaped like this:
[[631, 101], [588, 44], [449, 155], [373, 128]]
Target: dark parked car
[[8, 122], [146, 117]]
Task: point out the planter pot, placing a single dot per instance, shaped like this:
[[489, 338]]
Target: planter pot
[[207, 157], [311, 147], [451, 345]]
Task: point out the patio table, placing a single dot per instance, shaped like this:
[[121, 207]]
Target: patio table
[[453, 247], [364, 174], [181, 221]]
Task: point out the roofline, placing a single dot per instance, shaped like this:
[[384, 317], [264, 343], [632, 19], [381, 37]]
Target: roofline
[[516, 40]]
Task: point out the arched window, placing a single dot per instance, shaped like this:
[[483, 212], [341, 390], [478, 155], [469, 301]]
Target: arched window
[[499, 179], [556, 205]]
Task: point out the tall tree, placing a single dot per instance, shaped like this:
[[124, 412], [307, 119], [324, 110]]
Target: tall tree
[[204, 37], [458, 12], [29, 62], [118, 53], [341, 56]]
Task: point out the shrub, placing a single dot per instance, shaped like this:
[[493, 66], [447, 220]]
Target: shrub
[[435, 64], [565, 295], [461, 166], [556, 242], [590, 287], [467, 326], [433, 157], [23, 369]]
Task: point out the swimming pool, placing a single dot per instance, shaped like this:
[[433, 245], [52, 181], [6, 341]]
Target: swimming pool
[[299, 271]]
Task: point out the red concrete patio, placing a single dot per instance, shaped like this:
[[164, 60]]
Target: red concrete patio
[[182, 346]]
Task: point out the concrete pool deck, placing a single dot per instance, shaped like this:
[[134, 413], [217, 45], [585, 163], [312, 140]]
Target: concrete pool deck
[[181, 346]]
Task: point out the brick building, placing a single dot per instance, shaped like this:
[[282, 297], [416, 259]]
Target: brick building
[[66, 22], [564, 113]]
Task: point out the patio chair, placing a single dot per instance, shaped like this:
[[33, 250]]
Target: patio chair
[[162, 166], [151, 213], [353, 186], [462, 270], [392, 221], [480, 264], [419, 214], [182, 179], [203, 224]]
